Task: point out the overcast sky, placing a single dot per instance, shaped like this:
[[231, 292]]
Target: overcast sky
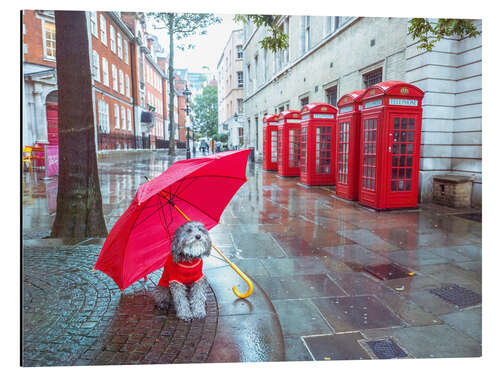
[[208, 47]]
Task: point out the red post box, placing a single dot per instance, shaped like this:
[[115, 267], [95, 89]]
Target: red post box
[[347, 145], [289, 143], [317, 144], [391, 121], [270, 141]]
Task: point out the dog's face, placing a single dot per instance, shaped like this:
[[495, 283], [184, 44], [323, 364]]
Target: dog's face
[[191, 240]]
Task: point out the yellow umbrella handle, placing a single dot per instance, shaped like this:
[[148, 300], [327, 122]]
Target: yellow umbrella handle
[[233, 266]]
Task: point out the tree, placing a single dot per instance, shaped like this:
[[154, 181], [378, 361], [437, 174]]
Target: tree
[[79, 203], [422, 29], [205, 112], [428, 34], [180, 25]]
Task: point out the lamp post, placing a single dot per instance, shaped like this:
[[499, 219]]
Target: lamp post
[[187, 94]]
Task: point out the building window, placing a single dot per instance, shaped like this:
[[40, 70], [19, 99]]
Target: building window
[[239, 51], [304, 101], [104, 38], [240, 105], [50, 39], [240, 79], [125, 51], [306, 33], [328, 25], [127, 85], [264, 67], [103, 109], [105, 73], [93, 24], [129, 119], [124, 119], [122, 84], [114, 75], [120, 45], [249, 79], [337, 23], [256, 72], [112, 38], [373, 77], [95, 66], [117, 117], [331, 95]]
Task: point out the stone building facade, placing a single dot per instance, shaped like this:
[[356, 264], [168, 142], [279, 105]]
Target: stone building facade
[[328, 57], [230, 93]]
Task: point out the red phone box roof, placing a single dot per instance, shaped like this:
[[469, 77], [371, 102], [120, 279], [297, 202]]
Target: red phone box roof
[[290, 114], [392, 88], [270, 118], [352, 97], [318, 108]]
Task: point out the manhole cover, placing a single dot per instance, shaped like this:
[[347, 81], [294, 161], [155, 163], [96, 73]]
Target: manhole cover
[[386, 349], [457, 295], [388, 271], [476, 216]]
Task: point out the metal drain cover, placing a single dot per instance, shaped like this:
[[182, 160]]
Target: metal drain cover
[[475, 216], [457, 295], [386, 349], [388, 271]]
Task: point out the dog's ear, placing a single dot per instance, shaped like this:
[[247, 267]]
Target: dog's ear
[[176, 244]]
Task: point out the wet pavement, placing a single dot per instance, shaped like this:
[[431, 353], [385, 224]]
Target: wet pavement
[[333, 280]]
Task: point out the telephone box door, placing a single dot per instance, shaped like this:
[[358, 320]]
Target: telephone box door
[[368, 161], [404, 138]]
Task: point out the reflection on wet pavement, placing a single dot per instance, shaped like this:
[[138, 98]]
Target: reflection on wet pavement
[[307, 251]]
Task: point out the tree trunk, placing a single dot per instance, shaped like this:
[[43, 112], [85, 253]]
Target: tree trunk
[[171, 147], [79, 204]]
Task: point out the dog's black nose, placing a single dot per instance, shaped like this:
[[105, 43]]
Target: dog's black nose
[[198, 236]]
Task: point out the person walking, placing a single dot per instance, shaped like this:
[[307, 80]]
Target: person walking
[[218, 144]]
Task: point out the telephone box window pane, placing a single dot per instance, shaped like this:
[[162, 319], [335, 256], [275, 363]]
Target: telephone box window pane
[[408, 185], [403, 148], [403, 123], [394, 161], [409, 161], [401, 185], [410, 136], [403, 136], [323, 159], [402, 161], [394, 173], [410, 148], [396, 123], [394, 186], [396, 137], [369, 160], [412, 123], [274, 146], [395, 149], [408, 173], [401, 173]]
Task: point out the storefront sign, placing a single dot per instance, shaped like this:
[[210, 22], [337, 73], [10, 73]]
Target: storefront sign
[[52, 160]]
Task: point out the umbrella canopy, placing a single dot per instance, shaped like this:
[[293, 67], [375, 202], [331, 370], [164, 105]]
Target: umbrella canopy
[[139, 242]]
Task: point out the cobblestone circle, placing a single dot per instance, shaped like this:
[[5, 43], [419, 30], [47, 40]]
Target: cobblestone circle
[[73, 316]]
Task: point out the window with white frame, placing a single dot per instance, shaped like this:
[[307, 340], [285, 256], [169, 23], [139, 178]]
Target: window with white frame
[[105, 72], [120, 45], [49, 40], [122, 83], [117, 117], [103, 109], [328, 25], [93, 24], [129, 119], [124, 119], [306, 33], [112, 38], [114, 75], [256, 72], [104, 38], [239, 51], [264, 67], [95, 66], [125, 51], [240, 79], [127, 85]]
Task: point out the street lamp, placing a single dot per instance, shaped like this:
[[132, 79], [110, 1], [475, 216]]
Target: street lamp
[[187, 94]]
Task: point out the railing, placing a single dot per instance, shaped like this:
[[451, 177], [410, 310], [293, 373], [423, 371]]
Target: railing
[[122, 142]]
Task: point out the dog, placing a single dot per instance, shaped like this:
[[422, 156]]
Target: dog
[[183, 281]]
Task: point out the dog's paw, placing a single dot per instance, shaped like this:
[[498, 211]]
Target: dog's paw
[[187, 317], [199, 313]]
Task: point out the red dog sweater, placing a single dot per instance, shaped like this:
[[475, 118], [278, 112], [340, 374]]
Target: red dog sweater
[[184, 272]]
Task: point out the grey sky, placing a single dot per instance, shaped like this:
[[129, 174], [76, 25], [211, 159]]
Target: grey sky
[[208, 47]]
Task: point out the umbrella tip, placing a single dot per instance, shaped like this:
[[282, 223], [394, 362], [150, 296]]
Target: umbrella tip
[[93, 269]]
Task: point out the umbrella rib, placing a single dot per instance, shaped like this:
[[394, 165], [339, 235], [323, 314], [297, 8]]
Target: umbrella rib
[[199, 209]]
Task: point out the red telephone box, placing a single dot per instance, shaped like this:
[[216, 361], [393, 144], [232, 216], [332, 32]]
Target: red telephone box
[[289, 143], [317, 144], [347, 145], [270, 140], [391, 121]]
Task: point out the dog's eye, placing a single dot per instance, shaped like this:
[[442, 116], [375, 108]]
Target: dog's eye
[[190, 230]]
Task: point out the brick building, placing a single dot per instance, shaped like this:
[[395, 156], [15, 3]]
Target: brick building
[[129, 81]]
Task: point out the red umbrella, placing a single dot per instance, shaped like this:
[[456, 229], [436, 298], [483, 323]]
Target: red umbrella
[[197, 189]]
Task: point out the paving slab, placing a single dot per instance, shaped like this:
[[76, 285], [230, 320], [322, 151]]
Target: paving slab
[[336, 347], [467, 321]]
